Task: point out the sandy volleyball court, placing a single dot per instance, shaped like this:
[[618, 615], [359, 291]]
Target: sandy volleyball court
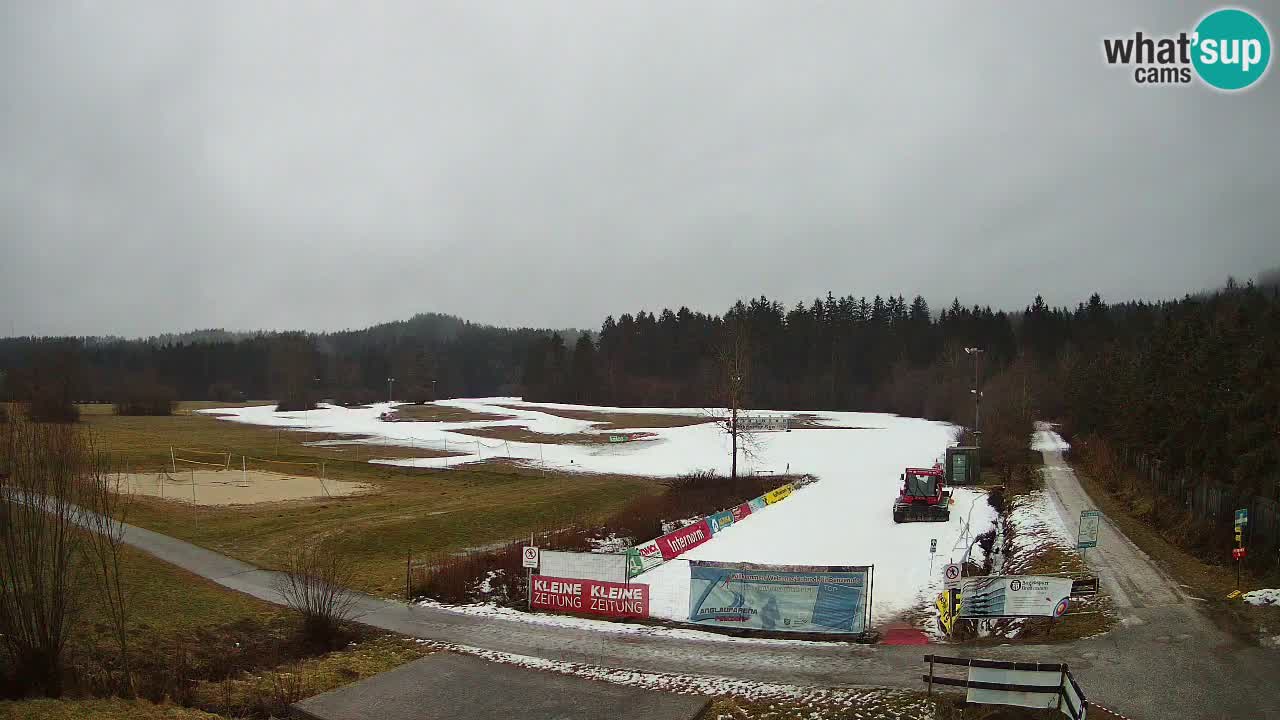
[[233, 487]]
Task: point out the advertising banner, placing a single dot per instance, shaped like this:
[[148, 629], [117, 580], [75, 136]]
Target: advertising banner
[[720, 521], [584, 566], [757, 504], [591, 597], [1014, 596], [778, 495], [673, 544], [741, 511], [643, 557], [785, 598]]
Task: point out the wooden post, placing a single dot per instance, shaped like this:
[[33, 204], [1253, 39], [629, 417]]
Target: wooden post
[[1061, 682], [173, 461], [408, 575], [930, 676]]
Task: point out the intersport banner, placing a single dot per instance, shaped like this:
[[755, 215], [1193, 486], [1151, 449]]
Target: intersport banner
[[785, 598], [592, 597], [674, 544], [643, 557], [720, 521]]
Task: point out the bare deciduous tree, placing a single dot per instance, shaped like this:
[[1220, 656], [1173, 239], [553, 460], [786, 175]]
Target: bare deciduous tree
[[316, 582], [55, 493], [733, 378], [106, 502]]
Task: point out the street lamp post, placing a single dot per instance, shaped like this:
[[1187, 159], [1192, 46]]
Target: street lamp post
[[977, 393], [390, 380], [434, 397]]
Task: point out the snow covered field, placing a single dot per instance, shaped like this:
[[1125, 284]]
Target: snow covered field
[[844, 519]]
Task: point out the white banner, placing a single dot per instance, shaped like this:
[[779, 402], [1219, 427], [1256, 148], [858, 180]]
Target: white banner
[[1014, 596], [1050, 680], [583, 566]]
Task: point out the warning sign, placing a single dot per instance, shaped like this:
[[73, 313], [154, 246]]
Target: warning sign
[[951, 576], [529, 557]]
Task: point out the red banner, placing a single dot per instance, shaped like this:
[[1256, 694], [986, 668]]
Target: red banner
[[591, 597], [674, 544], [740, 512]]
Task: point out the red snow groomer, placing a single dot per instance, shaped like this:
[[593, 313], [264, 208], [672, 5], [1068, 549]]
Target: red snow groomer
[[923, 497]]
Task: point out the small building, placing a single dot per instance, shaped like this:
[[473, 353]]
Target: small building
[[963, 467]]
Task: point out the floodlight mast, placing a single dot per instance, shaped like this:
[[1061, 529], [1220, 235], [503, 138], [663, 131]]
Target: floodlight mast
[[977, 392]]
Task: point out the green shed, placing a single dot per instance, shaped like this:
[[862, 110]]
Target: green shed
[[962, 465]]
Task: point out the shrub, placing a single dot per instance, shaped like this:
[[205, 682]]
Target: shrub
[[316, 582], [145, 397], [52, 408], [296, 402], [225, 392]]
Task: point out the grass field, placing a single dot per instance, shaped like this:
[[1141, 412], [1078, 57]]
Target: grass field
[[412, 510]]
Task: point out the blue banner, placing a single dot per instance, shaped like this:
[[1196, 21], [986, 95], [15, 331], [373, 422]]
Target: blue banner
[[780, 598], [758, 504], [720, 521]]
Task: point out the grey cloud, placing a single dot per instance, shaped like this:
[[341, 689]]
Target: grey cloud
[[165, 166]]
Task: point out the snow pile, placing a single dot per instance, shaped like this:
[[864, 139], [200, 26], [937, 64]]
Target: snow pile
[[1035, 524], [1268, 596]]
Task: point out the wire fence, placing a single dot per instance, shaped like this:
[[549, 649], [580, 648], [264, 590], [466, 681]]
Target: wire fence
[[1214, 503]]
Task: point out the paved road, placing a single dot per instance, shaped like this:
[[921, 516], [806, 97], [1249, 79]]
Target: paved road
[[1166, 660]]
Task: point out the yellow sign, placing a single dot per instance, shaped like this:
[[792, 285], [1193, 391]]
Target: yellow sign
[[1233, 595], [778, 494], [944, 603]]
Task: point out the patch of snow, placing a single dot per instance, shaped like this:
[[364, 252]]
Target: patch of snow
[[1045, 439], [1266, 596], [902, 704]]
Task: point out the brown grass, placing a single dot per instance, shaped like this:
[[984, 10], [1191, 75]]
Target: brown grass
[[416, 510], [521, 433], [620, 420], [444, 413]]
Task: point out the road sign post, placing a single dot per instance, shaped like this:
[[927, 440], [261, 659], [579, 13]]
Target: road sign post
[[529, 558], [1238, 552], [933, 549], [1087, 536]]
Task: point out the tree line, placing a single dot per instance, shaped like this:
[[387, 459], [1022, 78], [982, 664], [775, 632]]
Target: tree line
[[1192, 381], [429, 355]]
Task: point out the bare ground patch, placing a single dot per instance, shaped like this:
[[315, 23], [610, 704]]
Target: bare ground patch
[[431, 412], [236, 487], [619, 420], [521, 433]]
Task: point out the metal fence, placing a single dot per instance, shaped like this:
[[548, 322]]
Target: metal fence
[[1211, 501]]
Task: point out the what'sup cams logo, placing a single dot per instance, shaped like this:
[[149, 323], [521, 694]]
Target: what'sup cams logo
[[1229, 49]]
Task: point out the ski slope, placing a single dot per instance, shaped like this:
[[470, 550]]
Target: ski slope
[[844, 519]]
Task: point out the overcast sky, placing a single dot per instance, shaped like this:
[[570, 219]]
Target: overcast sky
[[168, 166]]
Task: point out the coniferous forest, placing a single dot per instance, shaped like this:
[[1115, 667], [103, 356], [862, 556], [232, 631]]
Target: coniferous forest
[[1193, 382]]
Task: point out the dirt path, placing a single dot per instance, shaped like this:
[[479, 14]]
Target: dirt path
[[1127, 573]]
